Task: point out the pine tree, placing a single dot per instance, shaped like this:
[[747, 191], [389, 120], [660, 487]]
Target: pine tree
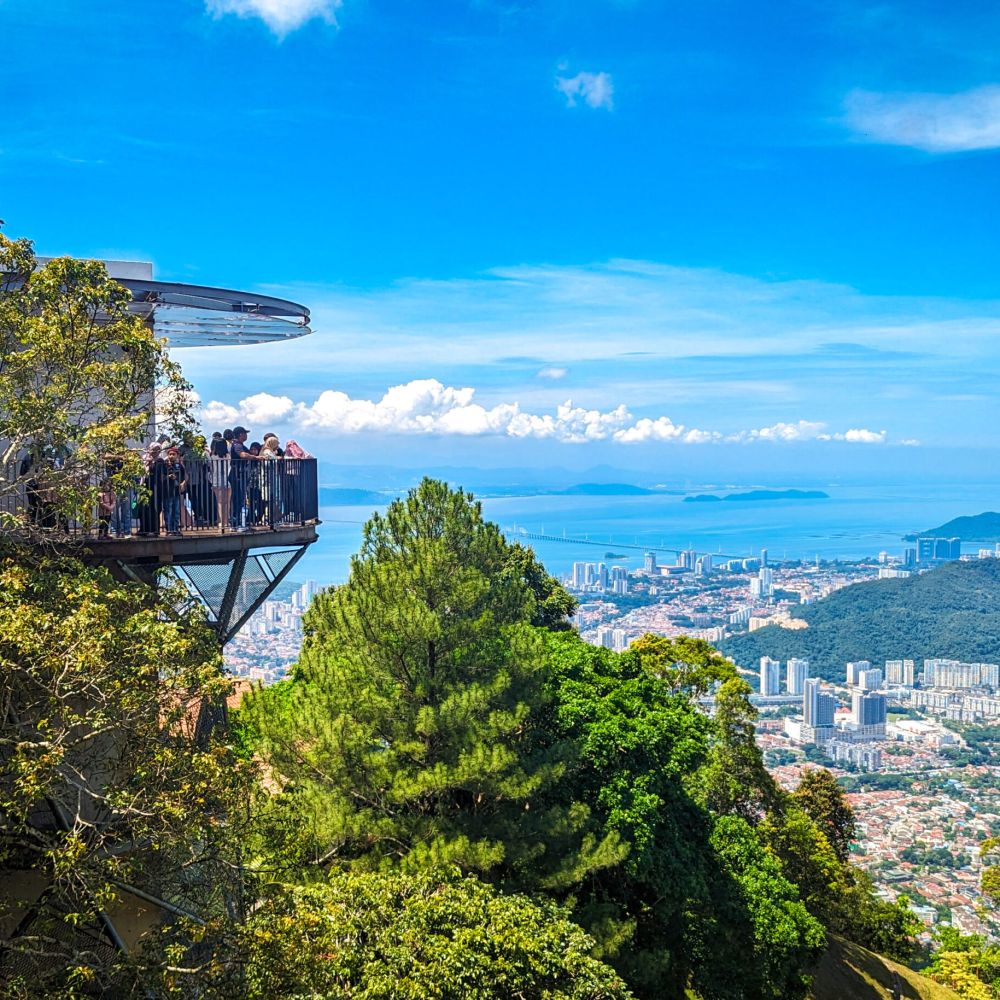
[[411, 735]]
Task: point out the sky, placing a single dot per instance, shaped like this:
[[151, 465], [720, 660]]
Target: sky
[[689, 236]]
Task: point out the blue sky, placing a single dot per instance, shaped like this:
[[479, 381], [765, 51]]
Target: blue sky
[[690, 235]]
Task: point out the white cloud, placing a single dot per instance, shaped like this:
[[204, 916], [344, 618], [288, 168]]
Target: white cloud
[[553, 373], [802, 430], [936, 123], [281, 16], [863, 436], [596, 90], [427, 406]]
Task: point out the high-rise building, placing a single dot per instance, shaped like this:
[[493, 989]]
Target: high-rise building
[[603, 577], [606, 636], [938, 549], [649, 562], [900, 672], [770, 676], [619, 640], [796, 672], [868, 708], [579, 575], [818, 707], [870, 679], [854, 670], [763, 557], [703, 565], [909, 558]]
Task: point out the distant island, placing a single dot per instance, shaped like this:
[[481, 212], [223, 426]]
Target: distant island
[[983, 527], [759, 495]]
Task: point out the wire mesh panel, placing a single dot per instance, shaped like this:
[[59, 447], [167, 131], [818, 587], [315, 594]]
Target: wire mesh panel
[[208, 582]]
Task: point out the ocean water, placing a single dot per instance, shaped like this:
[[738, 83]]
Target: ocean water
[[857, 521]]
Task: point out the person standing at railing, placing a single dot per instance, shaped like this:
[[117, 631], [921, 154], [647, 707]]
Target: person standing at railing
[[270, 479], [219, 476], [199, 490], [293, 479], [239, 470], [151, 505], [174, 485]]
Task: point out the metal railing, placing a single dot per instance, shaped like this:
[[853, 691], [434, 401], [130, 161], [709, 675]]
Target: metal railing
[[211, 495]]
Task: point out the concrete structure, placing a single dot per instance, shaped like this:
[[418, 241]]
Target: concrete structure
[[796, 672]]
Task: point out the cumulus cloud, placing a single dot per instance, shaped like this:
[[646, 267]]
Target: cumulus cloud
[[427, 406], [596, 90], [936, 123], [861, 435], [281, 16], [553, 373]]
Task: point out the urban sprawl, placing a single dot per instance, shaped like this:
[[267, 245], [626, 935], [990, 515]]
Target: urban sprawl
[[892, 730]]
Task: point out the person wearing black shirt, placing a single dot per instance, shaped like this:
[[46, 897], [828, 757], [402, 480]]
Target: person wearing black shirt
[[239, 470]]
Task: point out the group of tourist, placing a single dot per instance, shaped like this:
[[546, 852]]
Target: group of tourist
[[225, 483]]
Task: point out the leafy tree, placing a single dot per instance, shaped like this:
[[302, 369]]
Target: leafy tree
[[553, 603], [411, 735], [688, 665], [734, 781], [824, 800], [78, 373], [780, 940], [391, 937], [103, 788]]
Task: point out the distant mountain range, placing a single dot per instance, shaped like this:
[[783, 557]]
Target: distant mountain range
[[759, 495], [983, 527], [951, 611]]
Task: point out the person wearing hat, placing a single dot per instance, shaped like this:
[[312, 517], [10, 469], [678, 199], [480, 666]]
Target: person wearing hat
[[239, 474]]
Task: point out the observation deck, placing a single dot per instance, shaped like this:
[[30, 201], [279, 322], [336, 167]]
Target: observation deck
[[231, 535]]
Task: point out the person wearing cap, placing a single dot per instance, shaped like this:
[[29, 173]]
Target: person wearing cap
[[239, 472]]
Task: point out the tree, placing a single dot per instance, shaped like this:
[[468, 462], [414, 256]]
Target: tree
[[78, 377], [734, 781], [104, 792], [824, 800], [412, 732], [435, 934], [781, 940]]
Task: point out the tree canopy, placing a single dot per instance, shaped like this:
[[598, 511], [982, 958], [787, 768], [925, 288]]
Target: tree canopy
[[79, 377]]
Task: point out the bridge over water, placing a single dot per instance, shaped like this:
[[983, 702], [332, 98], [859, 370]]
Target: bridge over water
[[523, 534]]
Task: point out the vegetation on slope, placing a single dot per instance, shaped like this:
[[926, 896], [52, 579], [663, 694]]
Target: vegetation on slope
[[950, 611], [847, 971], [983, 527]]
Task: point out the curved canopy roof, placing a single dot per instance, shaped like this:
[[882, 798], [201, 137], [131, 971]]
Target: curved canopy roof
[[201, 316]]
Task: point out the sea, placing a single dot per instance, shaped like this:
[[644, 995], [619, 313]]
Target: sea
[[856, 522]]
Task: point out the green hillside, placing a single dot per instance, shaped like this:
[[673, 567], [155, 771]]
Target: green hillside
[[849, 972], [953, 611], [983, 527]]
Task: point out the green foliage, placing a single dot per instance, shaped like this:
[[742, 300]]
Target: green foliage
[[410, 735], [734, 780], [78, 373], [553, 603], [392, 937], [824, 801], [101, 783], [950, 611], [781, 938]]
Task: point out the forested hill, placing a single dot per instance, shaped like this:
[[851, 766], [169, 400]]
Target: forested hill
[[953, 611], [983, 527]]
